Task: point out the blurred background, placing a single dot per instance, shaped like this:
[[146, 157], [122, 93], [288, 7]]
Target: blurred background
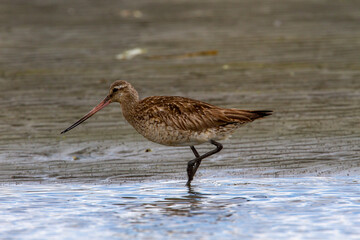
[[293, 175], [298, 58]]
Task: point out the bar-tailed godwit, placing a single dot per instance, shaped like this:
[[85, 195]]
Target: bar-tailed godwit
[[176, 121]]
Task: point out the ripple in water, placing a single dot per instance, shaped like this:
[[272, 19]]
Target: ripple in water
[[277, 208]]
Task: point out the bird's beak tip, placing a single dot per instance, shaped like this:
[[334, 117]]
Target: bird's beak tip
[[100, 106]]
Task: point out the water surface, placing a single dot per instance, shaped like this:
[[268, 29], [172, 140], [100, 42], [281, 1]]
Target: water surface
[[231, 208]]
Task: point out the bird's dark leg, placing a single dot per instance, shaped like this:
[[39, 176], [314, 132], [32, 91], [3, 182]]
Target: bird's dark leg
[[190, 167], [194, 151], [194, 164], [197, 163]]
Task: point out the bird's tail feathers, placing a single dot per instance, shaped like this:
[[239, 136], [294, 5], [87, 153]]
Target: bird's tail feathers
[[244, 116]]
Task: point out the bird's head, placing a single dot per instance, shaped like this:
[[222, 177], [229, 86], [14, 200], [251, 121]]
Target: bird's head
[[120, 91]]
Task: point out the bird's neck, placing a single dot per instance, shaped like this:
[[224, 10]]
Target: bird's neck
[[128, 103]]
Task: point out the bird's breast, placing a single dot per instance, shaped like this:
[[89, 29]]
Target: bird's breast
[[160, 132]]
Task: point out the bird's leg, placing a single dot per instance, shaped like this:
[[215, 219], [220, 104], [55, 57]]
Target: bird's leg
[[216, 150], [197, 162], [190, 167], [194, 151], [194, 164]]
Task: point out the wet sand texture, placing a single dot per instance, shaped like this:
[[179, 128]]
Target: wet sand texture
[[298, 58]]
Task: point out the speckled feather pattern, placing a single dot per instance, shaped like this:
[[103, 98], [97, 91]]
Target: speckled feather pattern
[[179, 121]]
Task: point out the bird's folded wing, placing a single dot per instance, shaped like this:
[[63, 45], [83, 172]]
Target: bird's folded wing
[[189, 114]]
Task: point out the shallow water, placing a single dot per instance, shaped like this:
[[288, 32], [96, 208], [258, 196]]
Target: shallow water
[[231, 208]]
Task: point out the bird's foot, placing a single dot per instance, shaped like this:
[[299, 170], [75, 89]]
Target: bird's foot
[[188, 183], [190, 171]]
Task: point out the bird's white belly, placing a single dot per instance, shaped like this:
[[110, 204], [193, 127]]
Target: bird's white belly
[[168, 135]]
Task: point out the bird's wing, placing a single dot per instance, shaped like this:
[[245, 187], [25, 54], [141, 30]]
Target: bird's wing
[[187, 114]]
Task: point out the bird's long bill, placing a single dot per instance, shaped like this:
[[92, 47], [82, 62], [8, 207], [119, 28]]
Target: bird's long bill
[[100, 106]]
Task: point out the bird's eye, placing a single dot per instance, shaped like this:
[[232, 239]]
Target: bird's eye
[[115, 90]]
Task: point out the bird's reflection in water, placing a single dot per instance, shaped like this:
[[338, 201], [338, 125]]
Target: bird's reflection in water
[[155, 203], [187, 204], [194, 202]]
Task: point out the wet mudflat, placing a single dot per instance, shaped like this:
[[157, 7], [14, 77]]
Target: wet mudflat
[[300, 59]]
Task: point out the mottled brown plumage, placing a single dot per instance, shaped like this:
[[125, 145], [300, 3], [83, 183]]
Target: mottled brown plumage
[[183, 121], [176, 121]]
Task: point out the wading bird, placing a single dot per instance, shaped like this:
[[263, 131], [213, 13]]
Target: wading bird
[[176, 121]]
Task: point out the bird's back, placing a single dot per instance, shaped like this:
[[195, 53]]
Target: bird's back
[[173, 120]]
